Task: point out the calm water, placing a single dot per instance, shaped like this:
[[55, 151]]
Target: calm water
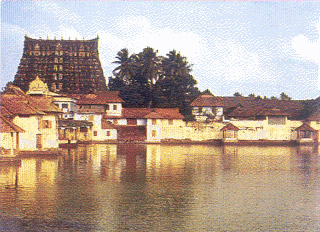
[[164, 188]]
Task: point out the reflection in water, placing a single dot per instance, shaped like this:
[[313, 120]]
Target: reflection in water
[[164, 188]]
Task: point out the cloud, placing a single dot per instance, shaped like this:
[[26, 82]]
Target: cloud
[[230, 60], [61, 14], [307, 49], [137, 32]]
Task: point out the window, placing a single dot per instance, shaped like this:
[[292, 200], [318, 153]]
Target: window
[[83, 129], [305, 134], [170, 121], [108, 133], [46, 124], [95, 133], [154, 133], [115, 107], [108, 107], [115, 121], [276, 120], [55, 67], [154, 121], [64, 105], [60, 67]]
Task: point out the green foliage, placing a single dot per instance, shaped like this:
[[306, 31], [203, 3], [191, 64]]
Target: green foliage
[[284, 96], [148, 80], [237, 94]]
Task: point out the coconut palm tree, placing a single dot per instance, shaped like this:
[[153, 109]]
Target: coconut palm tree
[[126, 69]]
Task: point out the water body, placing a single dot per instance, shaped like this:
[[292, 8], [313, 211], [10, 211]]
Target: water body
[[164, 188]]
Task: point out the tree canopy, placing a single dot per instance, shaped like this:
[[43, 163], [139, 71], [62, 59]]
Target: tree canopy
[[149, 80]]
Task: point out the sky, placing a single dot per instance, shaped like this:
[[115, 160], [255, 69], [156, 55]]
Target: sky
[[256, 47]]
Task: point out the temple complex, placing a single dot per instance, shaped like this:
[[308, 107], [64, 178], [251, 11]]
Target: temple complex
[[66, 66]]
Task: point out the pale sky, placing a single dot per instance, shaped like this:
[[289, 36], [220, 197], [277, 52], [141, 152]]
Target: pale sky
[[249, 47]]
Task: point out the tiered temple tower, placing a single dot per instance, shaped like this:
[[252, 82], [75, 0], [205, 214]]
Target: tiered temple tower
[[66, 66]]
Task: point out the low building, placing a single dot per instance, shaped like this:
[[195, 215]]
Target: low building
[[9, 136], [92, 108], [207, 107], [35, 114], [148, 124]]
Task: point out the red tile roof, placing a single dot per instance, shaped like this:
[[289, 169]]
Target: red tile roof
[[251, 107], [107, 125], [15, 102], [315, 116], [230, 126], [16, 105], [305, 127], [6, 126], [97, 98], [207, 100], [44, 104], [140, 113]]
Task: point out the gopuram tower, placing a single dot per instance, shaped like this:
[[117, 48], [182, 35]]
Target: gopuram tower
[[66, 66]]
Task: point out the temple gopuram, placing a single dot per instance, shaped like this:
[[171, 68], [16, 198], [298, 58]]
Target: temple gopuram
[[67, 66]]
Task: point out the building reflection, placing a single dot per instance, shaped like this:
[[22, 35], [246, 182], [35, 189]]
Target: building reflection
[[109, 182]]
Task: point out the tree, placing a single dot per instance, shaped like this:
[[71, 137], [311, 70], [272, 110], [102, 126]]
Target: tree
[[7, 85], [126, 69], [148, 80], [237, 94], [284, 96]]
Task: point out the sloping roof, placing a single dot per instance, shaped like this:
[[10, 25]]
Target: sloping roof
[[135, 112], [272, 112], [315, 116], [69, 123], [16, 102], [305, 127], [107, 125], [143, 113], [4, 111], [207, 100], [251, 107], [169, 113], [153, 115], [6, 126], [97, 98], [229, 126], [44, 104], [16, 105]]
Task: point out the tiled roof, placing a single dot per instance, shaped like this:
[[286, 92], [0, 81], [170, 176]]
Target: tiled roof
[[4, 111], [97, 98], [315, 116], [16, 102], [207, 100], [230, 126], [250, 107], [305, 127], [69, 123], [44, 104], [16, 105], [160, 113], [6, 126], [107, 125]]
